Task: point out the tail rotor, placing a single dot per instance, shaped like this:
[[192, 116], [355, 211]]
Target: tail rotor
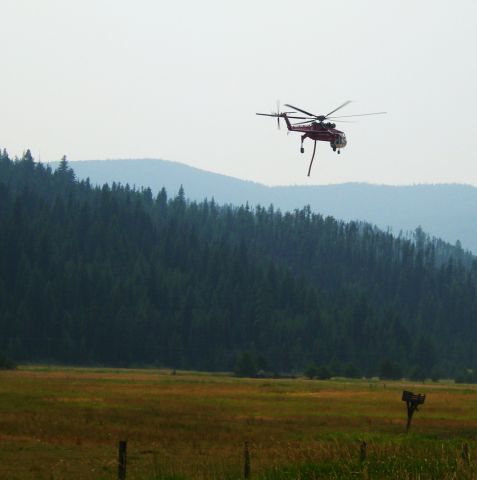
[[280, 114]]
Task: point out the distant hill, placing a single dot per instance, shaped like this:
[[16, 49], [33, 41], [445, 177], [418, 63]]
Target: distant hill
[[448, 211]]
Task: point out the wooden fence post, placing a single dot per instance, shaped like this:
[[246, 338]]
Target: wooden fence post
[[362, 451], [246, 461], [122, 459], [465, 453]]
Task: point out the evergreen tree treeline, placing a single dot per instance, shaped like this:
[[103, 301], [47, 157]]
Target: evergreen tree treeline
[[117, 276]]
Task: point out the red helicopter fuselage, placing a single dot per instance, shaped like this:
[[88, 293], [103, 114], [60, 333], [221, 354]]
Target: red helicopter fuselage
[[319, 131]]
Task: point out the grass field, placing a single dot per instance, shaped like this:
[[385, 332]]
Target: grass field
[[65, 423]]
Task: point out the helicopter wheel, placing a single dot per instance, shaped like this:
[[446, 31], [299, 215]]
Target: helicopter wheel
[[302, 150], [339, 152]]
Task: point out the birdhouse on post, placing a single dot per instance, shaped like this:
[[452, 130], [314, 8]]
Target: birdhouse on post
[[413, 400]]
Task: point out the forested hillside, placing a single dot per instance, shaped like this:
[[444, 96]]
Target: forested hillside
[[446, 211], [110, 275]]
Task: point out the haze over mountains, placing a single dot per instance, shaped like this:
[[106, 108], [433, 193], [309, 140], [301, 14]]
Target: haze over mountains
[[447, 211]]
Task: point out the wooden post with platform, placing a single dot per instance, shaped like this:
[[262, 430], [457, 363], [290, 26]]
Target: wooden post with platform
[[413, 400]]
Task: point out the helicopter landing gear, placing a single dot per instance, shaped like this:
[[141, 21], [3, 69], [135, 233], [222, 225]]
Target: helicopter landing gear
[[339, 151], [334, 149], [302, 150]]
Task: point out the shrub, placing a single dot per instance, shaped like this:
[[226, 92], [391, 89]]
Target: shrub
[[436, 374], [324, 373], [246, 365], [350, 371], [311, 371], [418, 373], [390, 370], [466, 376], [6, 363]]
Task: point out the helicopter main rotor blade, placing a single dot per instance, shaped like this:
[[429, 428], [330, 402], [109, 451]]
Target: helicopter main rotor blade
[[336, 109], [358, 115], [300, 110], [281, 115], [301, 118], [311, 120]]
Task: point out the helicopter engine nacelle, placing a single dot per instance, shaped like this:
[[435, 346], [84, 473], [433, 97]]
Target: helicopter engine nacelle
[[339, 141]]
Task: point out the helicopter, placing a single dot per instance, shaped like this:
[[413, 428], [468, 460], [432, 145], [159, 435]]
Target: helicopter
[[316, 127]]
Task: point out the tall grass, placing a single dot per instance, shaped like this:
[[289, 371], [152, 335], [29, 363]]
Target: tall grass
[[60, 423]]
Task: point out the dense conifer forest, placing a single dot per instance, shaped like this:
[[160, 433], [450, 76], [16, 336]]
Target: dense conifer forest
[[115, 276]]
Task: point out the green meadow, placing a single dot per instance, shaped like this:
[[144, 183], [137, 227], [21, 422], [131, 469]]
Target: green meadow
[[65, 423]]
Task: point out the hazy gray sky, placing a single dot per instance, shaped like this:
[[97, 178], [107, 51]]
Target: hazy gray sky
[[182, 80]]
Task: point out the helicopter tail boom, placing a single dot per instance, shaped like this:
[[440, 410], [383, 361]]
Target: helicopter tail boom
[[287, 121]]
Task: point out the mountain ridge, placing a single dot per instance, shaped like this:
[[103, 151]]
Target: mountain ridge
[[447, 211]]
